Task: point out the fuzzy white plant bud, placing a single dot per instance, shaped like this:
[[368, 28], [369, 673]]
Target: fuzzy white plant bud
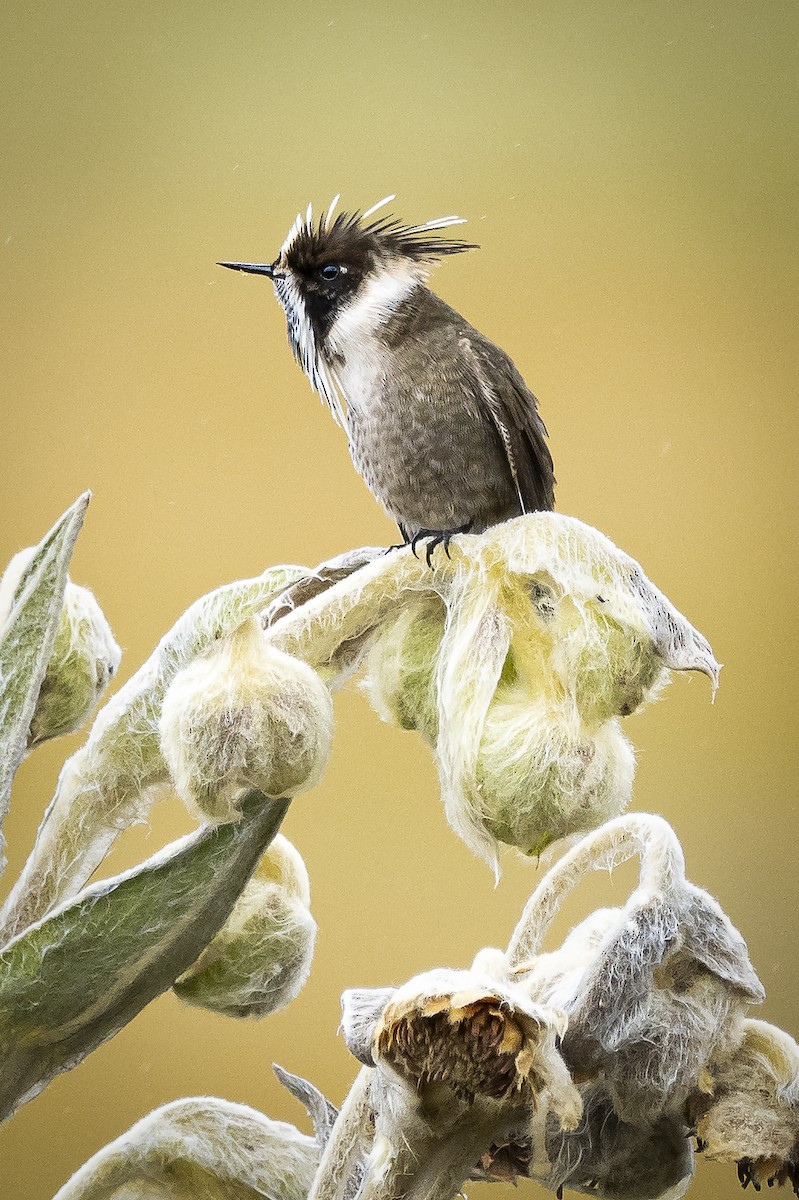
[[246, 715], [542, 774], [528, 749], [752, 1117], [261, 958], [85, 656], [542, 635]]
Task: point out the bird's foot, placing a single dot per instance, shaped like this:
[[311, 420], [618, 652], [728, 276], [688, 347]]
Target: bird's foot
[[400, 545], [437, 537]]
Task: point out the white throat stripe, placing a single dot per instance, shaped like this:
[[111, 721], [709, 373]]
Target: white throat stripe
[[376, 300]]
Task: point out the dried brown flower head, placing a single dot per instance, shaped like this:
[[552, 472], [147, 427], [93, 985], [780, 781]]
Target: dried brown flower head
[[469, 1040], [477, 1035]]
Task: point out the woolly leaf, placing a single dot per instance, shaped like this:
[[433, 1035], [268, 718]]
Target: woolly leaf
[[361, 1010], [349, 1167], [27, 638], [201, 1147], [322, 1111], [76, 977]]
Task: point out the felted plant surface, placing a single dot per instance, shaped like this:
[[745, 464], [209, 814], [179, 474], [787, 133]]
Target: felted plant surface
[[653, 991], [751, 1115], [515, 655], [589, 1060], [586, 1068]]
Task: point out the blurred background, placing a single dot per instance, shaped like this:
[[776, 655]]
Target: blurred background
[[630, 171]]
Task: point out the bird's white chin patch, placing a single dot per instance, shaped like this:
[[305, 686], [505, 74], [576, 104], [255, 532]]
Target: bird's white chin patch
[[375, 300]]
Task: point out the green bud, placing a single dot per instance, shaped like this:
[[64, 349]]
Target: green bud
[[85, 657], [261, 958], [542, 635], [542, 775]]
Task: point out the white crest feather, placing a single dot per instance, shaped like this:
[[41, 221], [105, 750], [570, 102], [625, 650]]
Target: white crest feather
[[292, 233], [380, 204], [437, 223], [332, 209]]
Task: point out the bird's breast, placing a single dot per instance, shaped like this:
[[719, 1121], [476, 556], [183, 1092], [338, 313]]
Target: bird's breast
[[421, 441]]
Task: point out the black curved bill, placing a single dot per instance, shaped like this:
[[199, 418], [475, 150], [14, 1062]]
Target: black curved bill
[[251, 268]]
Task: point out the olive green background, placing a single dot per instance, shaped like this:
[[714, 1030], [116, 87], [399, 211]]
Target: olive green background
[[630, 170]]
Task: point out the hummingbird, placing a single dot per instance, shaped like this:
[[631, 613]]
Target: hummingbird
[[440, 423]]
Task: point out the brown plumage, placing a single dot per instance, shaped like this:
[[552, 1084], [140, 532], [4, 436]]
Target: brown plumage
[[441, 425]]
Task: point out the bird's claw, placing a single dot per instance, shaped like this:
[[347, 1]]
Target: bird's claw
[[437, 537]]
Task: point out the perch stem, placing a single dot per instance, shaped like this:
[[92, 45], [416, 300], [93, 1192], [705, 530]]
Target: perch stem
[[351, 607]]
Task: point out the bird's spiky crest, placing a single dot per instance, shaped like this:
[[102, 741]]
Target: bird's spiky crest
[[386, 238], [386, 235]]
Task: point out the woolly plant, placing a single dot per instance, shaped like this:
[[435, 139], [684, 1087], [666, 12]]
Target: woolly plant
[[112, 781], [31, 599], [640, 1002], [488, 1073], [653, 991], [461, 1060], [204, 1146], [83, 659], [244, 715], [76, 962], [201, 1147], [260, 959], [515, 655]]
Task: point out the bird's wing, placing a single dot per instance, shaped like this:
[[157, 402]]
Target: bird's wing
[[513, 410]]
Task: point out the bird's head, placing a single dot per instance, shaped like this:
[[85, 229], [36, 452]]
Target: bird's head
[[343, 275]]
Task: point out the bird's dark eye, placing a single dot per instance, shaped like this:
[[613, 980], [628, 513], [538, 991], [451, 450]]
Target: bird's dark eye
[[330, 271]]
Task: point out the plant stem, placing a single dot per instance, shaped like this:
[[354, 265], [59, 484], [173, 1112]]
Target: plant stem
[[642, 834], [348, 1143]]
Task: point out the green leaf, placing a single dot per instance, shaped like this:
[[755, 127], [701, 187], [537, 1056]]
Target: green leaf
[[75, 978], [26, 641]]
